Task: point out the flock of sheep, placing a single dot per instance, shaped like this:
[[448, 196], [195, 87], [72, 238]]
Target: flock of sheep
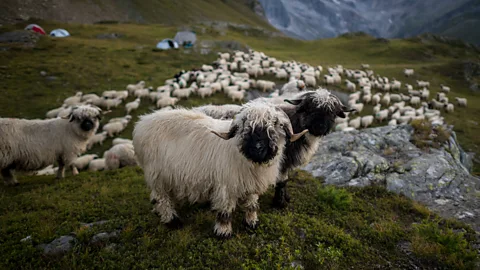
[[226, 154]]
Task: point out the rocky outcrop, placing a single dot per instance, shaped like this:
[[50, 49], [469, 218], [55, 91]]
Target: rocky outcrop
[[438, 178]]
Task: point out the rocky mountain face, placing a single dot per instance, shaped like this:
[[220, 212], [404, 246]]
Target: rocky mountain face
[[438, 178], [313, 19]]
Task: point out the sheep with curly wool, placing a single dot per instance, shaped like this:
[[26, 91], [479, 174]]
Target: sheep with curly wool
[[28, 145], [98, 138], [187, 155], [121, 141], [82, 162], [119, 156], [222, 112]]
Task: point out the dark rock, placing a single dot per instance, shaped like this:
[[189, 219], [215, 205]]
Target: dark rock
[[27, 38], [109, 36], [51, 78], [104, 236], [58, 246], [90, 225], [439, 178]]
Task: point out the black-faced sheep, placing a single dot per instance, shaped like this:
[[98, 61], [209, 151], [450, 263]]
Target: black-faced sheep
[[29, 145], [187, 155]]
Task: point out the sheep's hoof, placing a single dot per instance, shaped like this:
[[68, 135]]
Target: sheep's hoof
[[175, 223], [224, 236], [280, 203], [251, 227]]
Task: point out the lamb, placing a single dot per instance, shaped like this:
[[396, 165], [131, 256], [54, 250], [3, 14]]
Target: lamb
[[355, 123], [121, 141], [357, 107], [234, 95], [461, 102], [141, 93], [392, 122], [54, 113], [132, 106], [132, 87], [444, 88], [120, 119], [408, 72], [205, 92], [386, 100], [265, 85], [98, 138], [29, 145], [434, 104], [376, 99], [166, 101], [376, 108], [449, 107], [238, 164], [367, 98], [415, 101], [88, 97], [182, 93], [82, 162], [381, 115], [114, 128], [293, 86], [309, 80], [97, 165], [367, 121], [49, 170], [395, 98], [221, 112], [109, 103], [350, 86], [119, 156], [75, 100]]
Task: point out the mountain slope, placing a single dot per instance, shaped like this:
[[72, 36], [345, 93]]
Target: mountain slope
[[312, 19], [168, 12]]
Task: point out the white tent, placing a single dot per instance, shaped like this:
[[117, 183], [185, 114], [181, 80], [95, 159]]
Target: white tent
[[59, 33], [167, 44]]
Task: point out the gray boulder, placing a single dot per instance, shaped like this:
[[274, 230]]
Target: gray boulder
[[438, 178], [59, 246]]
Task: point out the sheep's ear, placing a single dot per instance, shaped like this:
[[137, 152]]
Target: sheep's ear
[[293, 101]]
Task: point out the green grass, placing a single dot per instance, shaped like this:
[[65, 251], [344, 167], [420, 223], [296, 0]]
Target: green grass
[[324, 227], [312, 232]]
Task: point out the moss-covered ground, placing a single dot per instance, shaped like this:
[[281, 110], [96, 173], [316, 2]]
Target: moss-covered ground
[[323, 228]]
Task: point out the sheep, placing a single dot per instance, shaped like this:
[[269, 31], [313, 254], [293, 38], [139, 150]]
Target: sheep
[[75, 100], [183, 160], [88, 97], [29, 145], [204, 92], [54, 113], [109, 103], [434, 104], [121, 95], [265, 85], [392, 122], [82, 162], [167, 101], [132, 106], [293, 86], [444, 100], [141, 93], [120, 119], [449, 107], [350, 86], [415, 101], [423, 84], [444, 88], [221, 112], [234, 95], [108, 94], [376, 99], [132, 87], [309, 80], [341, 126], [381, 115], [367, 98], [182, 92], [461, 102], [121, 141], [367, 121], [408, 72], [97, 165], [357, 107], [49, 170], [119, 156], [365, 66], [403, 120], [409, 87], [376, 108], [395, 98], [355, 123], [225, 56], [386, 100], [114, 128], [98, 138]]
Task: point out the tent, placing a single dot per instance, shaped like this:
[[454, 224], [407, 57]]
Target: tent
[[36, 28], [186, 38], [59, 33], [167, 44]]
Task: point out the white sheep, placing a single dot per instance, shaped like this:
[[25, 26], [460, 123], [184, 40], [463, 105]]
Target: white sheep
[[82, 162], [341, 126], [355, 123], [98, 138], [74, 100], [444, 88], [367, 121], [119, 156], [461, 102], [167, 101], [357, 107], [114, 128], [132, 106], [183, 160], [132, 87], [121, 141], [415, 101], [141, 93], [205, 92], [376, 99], [120, 119], [376, 108], [449, 108], [392, 122], [408, 72], [237, 95], [386, 99], [49, 170], [182, 92], [382, 115], [97, 165], [28, 145]]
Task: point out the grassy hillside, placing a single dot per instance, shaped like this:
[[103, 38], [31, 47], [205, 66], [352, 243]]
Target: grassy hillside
[[324, 227]]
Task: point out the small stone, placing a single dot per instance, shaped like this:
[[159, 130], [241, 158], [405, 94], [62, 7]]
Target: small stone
[[43, 73], [27, 239], [51, 78], [442, 201], [58, 246], [104, 236]]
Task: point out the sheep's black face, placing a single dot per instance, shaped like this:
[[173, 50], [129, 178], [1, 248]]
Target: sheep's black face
[[319, 123], [87, 124], [258, 147]]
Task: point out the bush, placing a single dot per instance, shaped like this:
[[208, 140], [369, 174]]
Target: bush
[[336, 198]]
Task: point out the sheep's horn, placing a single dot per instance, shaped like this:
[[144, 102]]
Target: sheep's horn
[[223, 135], [297, 136], [105, 112]]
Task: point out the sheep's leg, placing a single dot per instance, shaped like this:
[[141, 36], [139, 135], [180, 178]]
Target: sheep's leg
[[8, 177], [223, 224], [164, 207], [281, 198], [74, 170], [61, 169], [251, 207]]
